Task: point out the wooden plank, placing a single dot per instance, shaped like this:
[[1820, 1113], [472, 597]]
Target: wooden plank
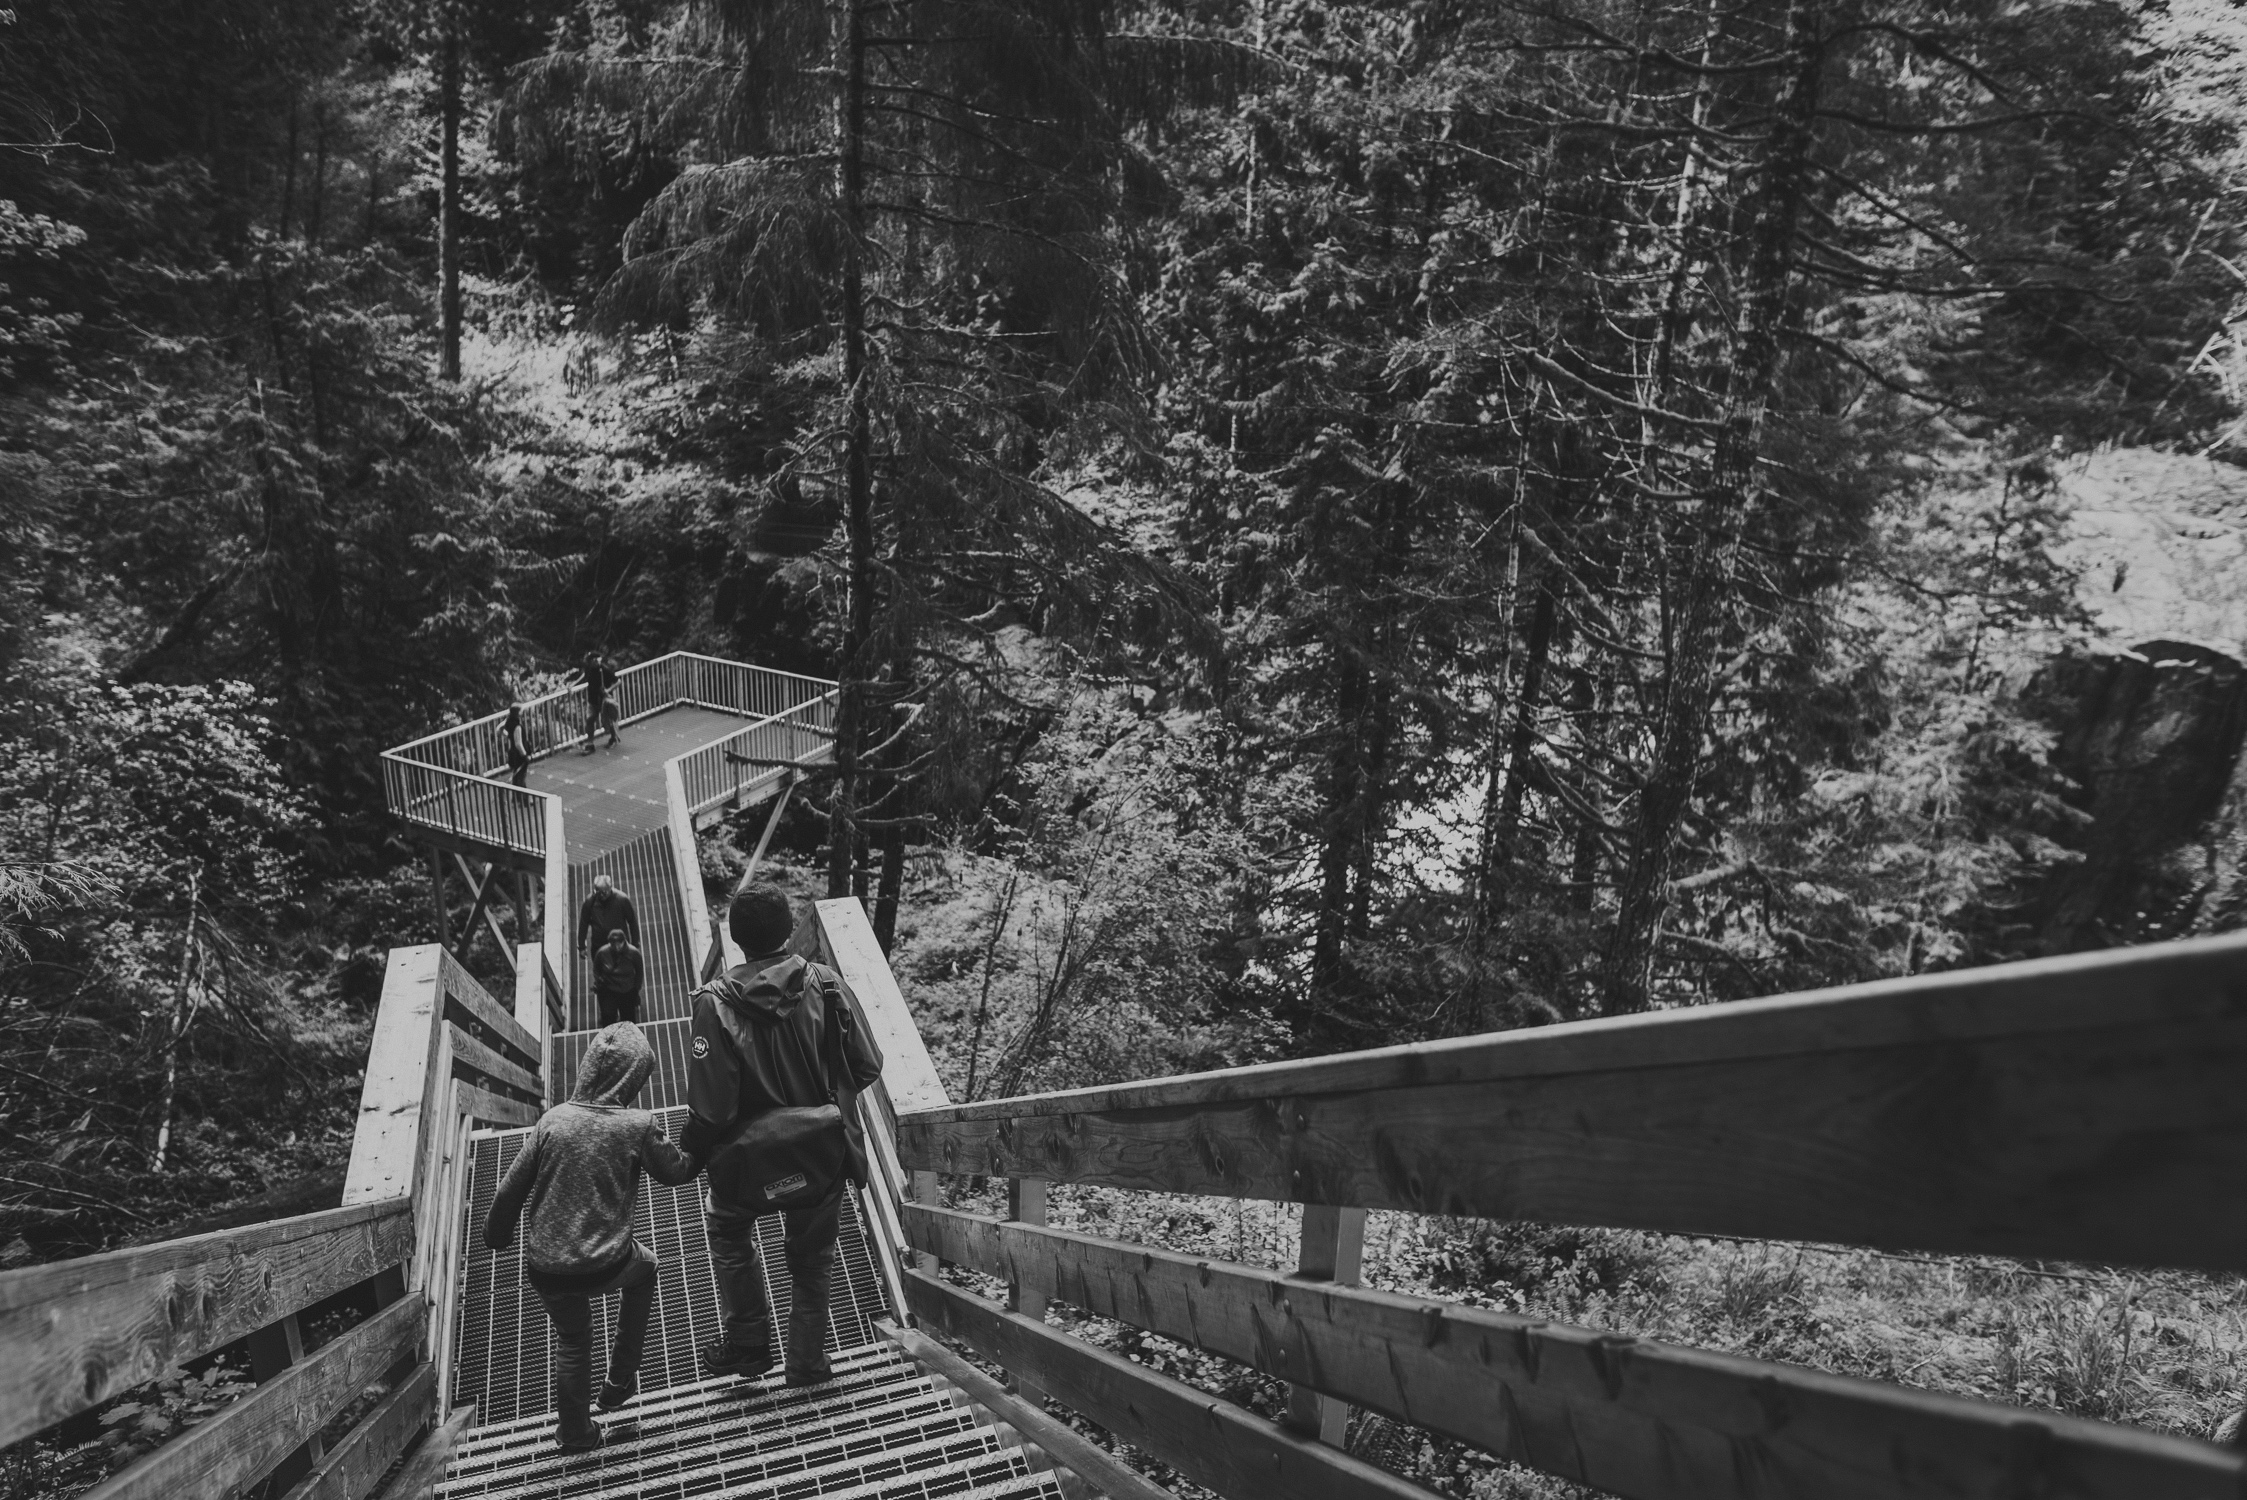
[[1333, 1249], [462, 989], [272, 1349], [79, 1331], [364, 1454], [385, 1137], [686, 863], [419, 1476], [530, 995], [1060, 1442], [2071, 1142], [1209, 1440], [470, 1053], [1635, 1418], [496, 1109], [241, 1445], [2197, 980], [847, 939], [1025, 1203]]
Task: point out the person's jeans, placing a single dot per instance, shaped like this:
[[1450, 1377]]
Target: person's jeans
[[614, 1007], [571, 1313], [810, 1239]]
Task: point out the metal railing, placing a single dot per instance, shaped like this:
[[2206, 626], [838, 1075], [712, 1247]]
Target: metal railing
[[741, 766], [452, 781]]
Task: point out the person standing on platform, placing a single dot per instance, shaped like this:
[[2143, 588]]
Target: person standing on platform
[[616, 979], [518, 746], [779, 1051], [604, 911], [600, 713], [576, 1180]]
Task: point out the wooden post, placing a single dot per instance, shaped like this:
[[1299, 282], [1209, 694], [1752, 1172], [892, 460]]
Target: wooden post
[[437, 897], [1025, 1204], [1333, 1250], [273, 1349]]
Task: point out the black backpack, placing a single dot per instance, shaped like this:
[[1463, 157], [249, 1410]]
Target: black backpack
[[794, 1155]]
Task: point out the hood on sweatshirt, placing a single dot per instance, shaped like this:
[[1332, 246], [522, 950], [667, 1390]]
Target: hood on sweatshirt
[[614, 1067], [769, 994]]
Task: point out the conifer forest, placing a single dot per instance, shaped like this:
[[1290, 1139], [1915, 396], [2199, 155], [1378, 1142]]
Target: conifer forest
[[1336, 522]]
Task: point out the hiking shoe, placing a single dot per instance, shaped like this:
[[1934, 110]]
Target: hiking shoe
[[819, 1376], [721, 1358], [578, 1442], [614, 1395]]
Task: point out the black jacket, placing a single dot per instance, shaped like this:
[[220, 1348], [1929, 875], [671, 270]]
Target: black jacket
[[756, 1044], [601, 915]]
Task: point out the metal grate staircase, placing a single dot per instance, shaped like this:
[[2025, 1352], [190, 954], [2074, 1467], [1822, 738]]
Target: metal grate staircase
[[883, 1427]]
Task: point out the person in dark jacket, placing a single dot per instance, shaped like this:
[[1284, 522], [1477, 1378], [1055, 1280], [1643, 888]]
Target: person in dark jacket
[[743, 1060], [616, 979], [578, 1177], [518, 746], [605, 910], [599, 712]]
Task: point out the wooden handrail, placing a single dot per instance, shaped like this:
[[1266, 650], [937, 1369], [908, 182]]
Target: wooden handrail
[[240, 1446], [1640, 1419], [2078, 1108], [1210, 1441], [80, 1331]]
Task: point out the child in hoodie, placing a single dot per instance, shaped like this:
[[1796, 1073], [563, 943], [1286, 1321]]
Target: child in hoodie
[[579, 1176]]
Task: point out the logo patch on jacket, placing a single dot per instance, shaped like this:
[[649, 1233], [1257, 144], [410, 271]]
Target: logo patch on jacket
[[702, 1046], [795, 1182]]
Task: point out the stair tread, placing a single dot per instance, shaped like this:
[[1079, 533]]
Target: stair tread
[[862, 1465], [724, 1445]]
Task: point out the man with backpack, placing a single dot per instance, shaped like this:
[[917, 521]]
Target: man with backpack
[[778, 1053]]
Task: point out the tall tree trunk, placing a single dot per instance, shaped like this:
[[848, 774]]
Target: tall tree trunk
[[892, 885], [1345, 805], [858, 517], [288, 178], [448, 209], [1497, 872], [176, 1023], [1373, 787], [1585, 861], [1642, 894], [319, 173]]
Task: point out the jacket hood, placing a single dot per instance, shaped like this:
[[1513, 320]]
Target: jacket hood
[[614, 1067], [769, 993]]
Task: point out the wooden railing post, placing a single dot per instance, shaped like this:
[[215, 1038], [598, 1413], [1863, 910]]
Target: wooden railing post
[[272, 1349], [1333, 1249], [1025, 1204]]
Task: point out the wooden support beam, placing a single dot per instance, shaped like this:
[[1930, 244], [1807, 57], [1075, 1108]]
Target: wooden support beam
[[477, 1011], [437, 899], [772, 821], [273, 1349], [2070, 1108], [79, 1331], [419, 1476], [401, 1075], [1333, 1249], [485, 886], [504, 1074], [242, 1444], [1025, 1204], [1629, 1417], [1071, 1449], [1209, 1440], [364, 1454], [847, 943]]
